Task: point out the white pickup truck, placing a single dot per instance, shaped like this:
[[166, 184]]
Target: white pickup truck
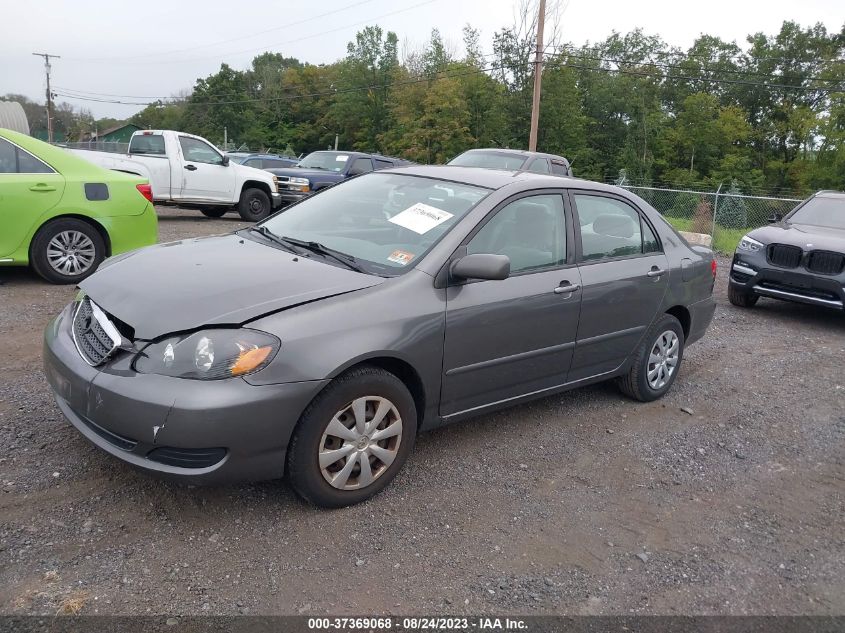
[[187, 170]]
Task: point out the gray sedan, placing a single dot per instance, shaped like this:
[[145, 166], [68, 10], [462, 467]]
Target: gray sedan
[[320, 342]]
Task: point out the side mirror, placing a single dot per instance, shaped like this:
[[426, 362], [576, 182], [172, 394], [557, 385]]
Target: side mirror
[[225, 160], [775, 218], [481, 266]]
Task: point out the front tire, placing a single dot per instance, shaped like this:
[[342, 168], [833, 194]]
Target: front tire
[[254, 205], [214, 212], [657, 362], [741, 298], [352, 439], [66, 251]]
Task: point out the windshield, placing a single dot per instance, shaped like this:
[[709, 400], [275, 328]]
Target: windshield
[[329, 161], [386, 221], [489, 160], [821, 211], [237, 158]]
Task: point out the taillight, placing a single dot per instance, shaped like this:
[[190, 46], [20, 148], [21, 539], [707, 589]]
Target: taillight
[[146, 191], [713, 266]]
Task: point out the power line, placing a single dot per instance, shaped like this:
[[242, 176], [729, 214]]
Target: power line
[[234, 39], [267, 46]]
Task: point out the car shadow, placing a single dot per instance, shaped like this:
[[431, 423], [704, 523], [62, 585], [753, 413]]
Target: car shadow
[[786, 312]]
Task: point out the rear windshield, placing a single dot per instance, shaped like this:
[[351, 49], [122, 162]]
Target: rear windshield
[[821, 211], [489, 160], [152, 144]]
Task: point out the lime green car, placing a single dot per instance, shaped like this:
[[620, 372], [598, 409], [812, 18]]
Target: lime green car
[[63, 215]]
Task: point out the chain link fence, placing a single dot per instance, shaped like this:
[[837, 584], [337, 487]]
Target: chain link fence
[[99, 146], [724, 215]]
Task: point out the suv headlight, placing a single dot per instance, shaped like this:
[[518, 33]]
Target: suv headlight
[[209, 354], [276, 183], [749, 245], [299, 184]]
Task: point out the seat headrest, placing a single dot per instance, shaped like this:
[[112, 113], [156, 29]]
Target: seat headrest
[[614, 225]]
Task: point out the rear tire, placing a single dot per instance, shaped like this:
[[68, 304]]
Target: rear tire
[[325, 460], [254, 205], [214, 212], [741, 298], [66, 251], [657, 362]]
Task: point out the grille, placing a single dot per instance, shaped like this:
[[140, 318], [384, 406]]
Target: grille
[[187, 457], [826, 263], [92, 340], [816, 293], [784, 256]]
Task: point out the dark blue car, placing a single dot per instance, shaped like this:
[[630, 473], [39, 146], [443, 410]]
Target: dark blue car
[[262, 161], [319, 170]]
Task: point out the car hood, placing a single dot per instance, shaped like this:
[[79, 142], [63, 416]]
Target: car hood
[[805, 236], [300, 172], [218, 280]]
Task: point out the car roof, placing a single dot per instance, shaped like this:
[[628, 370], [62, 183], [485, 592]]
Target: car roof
[[829, 193], [497, 178], [519, 152], [361, 155]]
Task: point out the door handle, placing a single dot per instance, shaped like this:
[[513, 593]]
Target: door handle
[[42, 187], [656, 272], [191, 167], [566, 288]]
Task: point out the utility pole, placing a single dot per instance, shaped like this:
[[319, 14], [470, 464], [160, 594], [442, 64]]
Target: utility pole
[[336, 137], [538, 78], [47, 57]]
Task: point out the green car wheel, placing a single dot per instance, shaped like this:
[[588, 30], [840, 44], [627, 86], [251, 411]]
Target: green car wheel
[[67, 250]]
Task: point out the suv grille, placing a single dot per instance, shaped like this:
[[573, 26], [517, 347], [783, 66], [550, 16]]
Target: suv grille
[[94, 335], [826, 263], [784, 256]]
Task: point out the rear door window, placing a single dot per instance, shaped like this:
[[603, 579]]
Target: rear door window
[[383, 164], [361, 166], [610, 228], [559, 168], [14, 160]]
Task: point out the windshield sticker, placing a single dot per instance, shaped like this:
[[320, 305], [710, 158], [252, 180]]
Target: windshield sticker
[[400, 257], [341, 158], [420, 218]]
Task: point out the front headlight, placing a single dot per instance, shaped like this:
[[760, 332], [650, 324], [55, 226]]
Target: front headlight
[[299, 184], [749, 245], [276, 183], [209, 354]]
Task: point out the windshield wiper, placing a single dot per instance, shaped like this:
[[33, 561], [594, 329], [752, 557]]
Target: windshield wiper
[[339, 256], [267, 233]]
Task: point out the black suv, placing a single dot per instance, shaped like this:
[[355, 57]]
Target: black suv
[[798, 258], [514, 160], [319, 170]]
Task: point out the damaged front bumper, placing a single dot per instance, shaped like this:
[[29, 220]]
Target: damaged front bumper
[[201, 431]]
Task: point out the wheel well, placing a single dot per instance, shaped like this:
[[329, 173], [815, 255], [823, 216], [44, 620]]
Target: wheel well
[[404, 372], [96, 225], [254, 184], [683, 315]]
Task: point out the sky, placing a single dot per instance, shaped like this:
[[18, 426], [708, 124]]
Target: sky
[[158, 48]]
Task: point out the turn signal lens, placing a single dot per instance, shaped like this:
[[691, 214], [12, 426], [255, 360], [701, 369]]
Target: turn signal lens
[[249, 359], [713, 266]]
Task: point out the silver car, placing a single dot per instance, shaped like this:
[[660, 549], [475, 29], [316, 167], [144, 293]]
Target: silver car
[[320, 342]]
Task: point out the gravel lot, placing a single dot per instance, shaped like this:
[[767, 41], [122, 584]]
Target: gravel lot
[[726, 497]]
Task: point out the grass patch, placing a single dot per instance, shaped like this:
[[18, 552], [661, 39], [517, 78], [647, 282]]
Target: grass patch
[[724, 241]]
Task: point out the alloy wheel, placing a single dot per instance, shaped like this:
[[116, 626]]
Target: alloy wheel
[[71, 253], [360, 443], [663, 359]]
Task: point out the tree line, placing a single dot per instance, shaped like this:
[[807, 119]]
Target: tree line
[[769, 116]]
